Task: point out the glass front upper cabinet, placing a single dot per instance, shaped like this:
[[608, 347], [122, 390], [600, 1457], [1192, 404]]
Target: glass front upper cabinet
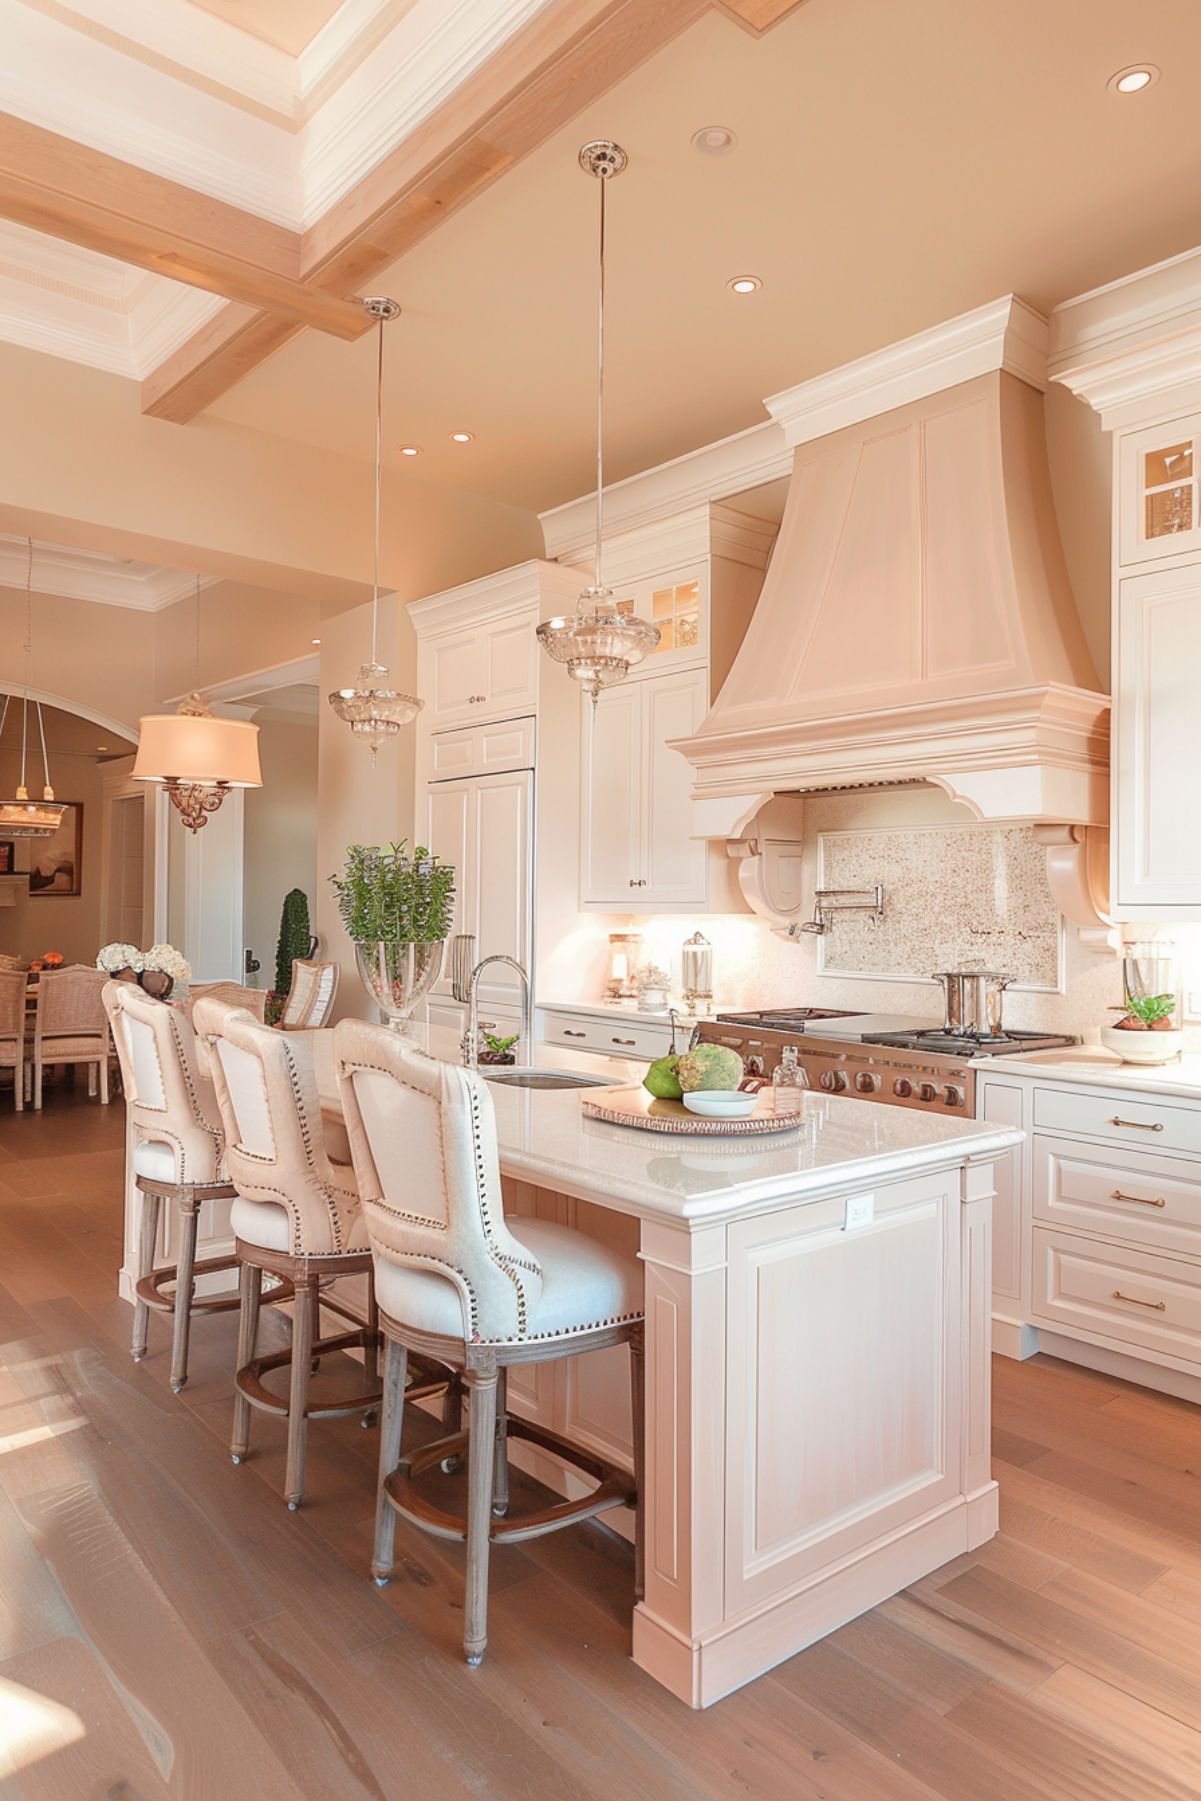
[[1160, 511], [676, 604]]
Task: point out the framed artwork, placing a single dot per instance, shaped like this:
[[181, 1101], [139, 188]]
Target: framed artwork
[[8, 857], [56, 863]]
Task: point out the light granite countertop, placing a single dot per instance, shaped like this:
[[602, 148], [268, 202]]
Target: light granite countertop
[[545, 1139], [1100, 1068]]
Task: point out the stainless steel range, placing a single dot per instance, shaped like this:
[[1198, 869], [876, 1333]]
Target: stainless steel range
[[927, 1068]]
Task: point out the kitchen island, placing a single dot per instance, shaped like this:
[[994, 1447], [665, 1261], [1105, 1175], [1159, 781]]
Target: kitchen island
[[817, 1354]]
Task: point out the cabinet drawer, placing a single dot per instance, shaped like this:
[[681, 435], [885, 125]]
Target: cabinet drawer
[[1151, 1202], [1136, 1298], [1116, 1118], [482, 750], [615, 1038]]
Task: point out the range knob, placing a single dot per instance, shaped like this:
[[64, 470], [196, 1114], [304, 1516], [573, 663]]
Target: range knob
[[952, 1096], [927, 1092], [866, 1083], [834, 1080], [902, 1087], [754, 1066]]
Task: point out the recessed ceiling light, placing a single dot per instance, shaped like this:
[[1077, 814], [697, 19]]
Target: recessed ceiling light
[[744, 284], [102, 747], [314, 640], [462, 437], [1134, 79], [410, 450], [714, 140]]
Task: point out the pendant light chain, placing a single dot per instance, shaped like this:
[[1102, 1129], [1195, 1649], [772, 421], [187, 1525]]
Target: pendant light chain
[[600, 395], [379, 466], [28, 654]]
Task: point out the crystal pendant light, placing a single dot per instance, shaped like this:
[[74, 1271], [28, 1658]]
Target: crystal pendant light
[[194, 756], [373, 711], [599, 643], [22, 817]]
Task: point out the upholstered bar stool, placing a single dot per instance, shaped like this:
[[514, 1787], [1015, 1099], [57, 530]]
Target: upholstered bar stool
[[296, 1216], [178, 1157], [457, 1282]]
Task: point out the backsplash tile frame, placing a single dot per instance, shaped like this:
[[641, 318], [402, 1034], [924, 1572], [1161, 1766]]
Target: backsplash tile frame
[[990, 953]]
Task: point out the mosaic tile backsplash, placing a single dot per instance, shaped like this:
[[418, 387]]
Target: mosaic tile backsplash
[[954, 896]]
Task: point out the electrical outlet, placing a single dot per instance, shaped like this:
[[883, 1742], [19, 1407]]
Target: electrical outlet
[[861, 1210], [1192, 1004]]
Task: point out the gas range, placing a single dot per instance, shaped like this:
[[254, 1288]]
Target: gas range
[[922, 1067]]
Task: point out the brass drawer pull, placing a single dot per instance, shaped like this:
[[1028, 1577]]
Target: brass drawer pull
[[623, 1041], [1138, 1125], [568, 1033], [1140, 1200], [1155, 1306]]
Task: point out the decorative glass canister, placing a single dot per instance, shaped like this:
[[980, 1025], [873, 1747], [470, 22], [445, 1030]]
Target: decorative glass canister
[[624, 954], [1150, 970], [697, 970]]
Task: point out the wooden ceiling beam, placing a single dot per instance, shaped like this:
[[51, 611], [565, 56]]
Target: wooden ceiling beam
[[55, 185], [567, 56]]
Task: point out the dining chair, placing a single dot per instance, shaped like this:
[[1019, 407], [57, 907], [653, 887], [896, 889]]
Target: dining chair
[[295, 1217], [456, 1281], [12, 1030], [312, 995], [178, 1156], [233, 994], [71, 1026]]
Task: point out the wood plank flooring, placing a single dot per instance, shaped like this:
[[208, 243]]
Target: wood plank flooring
[[167, 1629]]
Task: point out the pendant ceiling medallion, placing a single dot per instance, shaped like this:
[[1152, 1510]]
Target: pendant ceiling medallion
[[603, 639], [374, 711], [21, 817], [196, 757]]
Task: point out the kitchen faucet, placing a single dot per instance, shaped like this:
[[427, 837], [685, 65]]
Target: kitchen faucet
[[471, 1037]]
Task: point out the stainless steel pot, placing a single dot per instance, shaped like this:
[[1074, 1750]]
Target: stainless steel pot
[[973, 1001]]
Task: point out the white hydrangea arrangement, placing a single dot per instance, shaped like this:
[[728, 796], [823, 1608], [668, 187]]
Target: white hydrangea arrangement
[[114, 957], [166, 959]]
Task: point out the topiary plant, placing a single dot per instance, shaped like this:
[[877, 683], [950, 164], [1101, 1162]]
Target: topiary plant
[[294, 937]]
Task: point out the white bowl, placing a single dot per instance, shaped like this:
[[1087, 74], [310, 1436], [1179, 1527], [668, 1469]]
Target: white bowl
[[1143, 1047], [721, 1103]]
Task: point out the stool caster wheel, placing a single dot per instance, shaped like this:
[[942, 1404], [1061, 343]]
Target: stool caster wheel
[[138, 1356], [177, 1388], [500, 1512], [292, 1506], [370, 1418], [451, 1466], [381, 1581], [474, 1659], [236, 1456]]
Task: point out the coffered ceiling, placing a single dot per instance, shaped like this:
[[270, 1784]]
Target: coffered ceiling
[[288, 24]]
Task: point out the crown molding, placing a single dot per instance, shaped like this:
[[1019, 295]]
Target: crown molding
[[1132, 349], [1006, 334], [708, 530], [714, 472], [111, 581], [535, 583]]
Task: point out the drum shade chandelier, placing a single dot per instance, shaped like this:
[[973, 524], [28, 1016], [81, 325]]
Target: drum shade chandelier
[[194, 756], [22, 817], [374, 711], [600, 642]]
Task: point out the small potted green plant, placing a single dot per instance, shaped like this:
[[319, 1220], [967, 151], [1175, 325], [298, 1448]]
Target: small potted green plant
[[1147, 1031], [397, 907], [497, 1050]]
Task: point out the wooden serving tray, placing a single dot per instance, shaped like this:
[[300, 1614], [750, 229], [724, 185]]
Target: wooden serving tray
[[635, 1107]]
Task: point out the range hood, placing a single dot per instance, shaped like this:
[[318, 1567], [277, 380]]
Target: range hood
[[916, 623]]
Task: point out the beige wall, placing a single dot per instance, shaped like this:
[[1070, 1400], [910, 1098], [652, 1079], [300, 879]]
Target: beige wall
[[242, 630], [98, 658], [57, 922], [280, 836]]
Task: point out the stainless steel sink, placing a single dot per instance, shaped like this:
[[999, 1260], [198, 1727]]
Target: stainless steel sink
[[540, 1078]]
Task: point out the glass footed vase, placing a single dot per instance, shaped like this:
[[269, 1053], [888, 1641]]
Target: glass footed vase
[[398, 975]]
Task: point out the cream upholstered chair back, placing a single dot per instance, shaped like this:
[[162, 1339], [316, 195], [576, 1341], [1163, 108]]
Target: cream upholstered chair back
[[275, 1147], [70, 1003], [254, 1000], [170, 1099], [423, 1141], [312, 994], [13, 987]]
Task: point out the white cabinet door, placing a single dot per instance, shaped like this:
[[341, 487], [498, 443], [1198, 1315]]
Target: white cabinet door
[[1159, 490], [611, 830], [1157, 745], [673, 864], [502, 876], [511, 653], [488, 670], [457, 671]]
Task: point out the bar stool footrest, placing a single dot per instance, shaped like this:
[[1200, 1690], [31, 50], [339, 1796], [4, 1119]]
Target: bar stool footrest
[[249, 1379], [149, 1288], [615, 1487]]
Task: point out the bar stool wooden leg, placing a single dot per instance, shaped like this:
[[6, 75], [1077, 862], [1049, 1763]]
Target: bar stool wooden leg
[[147, 1238], [638, 1413], [391, 1432], [304, 1308], [481, 1457], [185, 1287], [250, 1295], [500, 1472]]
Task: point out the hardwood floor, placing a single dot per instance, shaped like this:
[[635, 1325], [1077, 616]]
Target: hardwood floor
[[168, 1629]]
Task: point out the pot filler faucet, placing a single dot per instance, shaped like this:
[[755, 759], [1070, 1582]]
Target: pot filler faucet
[[471, 1037]]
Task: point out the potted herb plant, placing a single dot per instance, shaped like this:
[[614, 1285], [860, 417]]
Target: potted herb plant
[[497, 1050], [1147, 1031], [397, 907]]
